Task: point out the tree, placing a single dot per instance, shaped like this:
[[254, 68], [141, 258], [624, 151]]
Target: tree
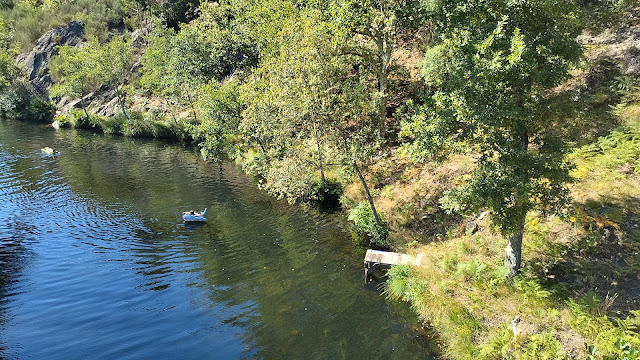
[[8, 69], [307, 110], [492, 75], [176, 65], [221, 108], [378, 23], [115, 61], [77, 70]]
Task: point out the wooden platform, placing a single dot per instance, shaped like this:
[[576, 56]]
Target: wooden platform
[[375, 258]]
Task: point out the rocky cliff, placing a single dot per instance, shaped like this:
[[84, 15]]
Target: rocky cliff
[[36, 63], [102, 101]]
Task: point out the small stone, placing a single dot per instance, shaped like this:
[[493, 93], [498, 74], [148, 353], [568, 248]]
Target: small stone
[[471, 227]]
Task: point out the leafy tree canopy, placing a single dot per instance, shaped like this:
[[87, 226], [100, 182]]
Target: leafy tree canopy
[[492, 73]]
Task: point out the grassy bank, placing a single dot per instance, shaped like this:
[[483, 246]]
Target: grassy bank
[[578, 294], [139, 124]]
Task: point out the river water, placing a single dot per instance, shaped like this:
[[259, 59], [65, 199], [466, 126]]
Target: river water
[[96, 262]]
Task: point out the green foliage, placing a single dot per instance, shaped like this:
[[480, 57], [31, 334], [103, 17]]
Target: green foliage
[[77, 70], [397, 285], [531, 290], [491, 73], [472, 270], [73, 118], [210, 47], [220, 109], [263, 21], [17, 102], [172, 12], [326, 191], [544, 346], [608, 340], [306, 112], [8, 69], [627, 87], [504, 62], [16, 99], [115, 58], [600, 15], [620, 148], [370, 30], [362, 217], [39, 110], [624, 351]]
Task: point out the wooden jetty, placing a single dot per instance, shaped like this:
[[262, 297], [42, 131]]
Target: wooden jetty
[[376, 258]]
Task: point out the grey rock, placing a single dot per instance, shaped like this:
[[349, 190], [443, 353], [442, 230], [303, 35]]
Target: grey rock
[[471, 227], [36, 62], [632, 63], [137, 39]]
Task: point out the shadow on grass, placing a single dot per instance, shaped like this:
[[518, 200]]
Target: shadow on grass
[[582, 113], [604, 261]]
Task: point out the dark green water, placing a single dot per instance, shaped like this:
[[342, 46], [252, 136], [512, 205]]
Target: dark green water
[[96, 262]]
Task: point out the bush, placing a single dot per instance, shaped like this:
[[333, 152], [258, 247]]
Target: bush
[[17, 102], [363, 219], [40, 110], [327, 193], [73, 118]]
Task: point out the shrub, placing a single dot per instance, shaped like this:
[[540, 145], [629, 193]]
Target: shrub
[[72, 118], [543, 346], [17, 102], [39, 110], [363, 219], [327, 193]]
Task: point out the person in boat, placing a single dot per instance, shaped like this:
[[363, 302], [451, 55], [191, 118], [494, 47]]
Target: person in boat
[[192, 212]]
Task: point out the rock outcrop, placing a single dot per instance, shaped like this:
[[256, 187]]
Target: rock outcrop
[[621, 44], [36, 63], [103, 101]]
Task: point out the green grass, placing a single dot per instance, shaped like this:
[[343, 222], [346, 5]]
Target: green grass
[[142, 125]]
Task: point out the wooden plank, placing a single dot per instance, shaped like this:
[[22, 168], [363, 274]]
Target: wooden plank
[[391, 258]]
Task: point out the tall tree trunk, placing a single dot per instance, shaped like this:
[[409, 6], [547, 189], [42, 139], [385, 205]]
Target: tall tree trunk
[[264, 150], [124, 110], [193, 108], [513, 255], [322, 177], [369, 197], [385, 47], [320, 157]]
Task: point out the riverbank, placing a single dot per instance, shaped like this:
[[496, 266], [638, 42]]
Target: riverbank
[[295, 103], [109, 266]]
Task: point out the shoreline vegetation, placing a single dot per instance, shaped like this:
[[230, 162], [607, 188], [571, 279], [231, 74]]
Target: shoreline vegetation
[[414, 117]]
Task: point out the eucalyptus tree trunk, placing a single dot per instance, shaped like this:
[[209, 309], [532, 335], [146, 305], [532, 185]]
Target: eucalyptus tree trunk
[[368, 193], [384, 44], [121, 101], [513, 255]]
